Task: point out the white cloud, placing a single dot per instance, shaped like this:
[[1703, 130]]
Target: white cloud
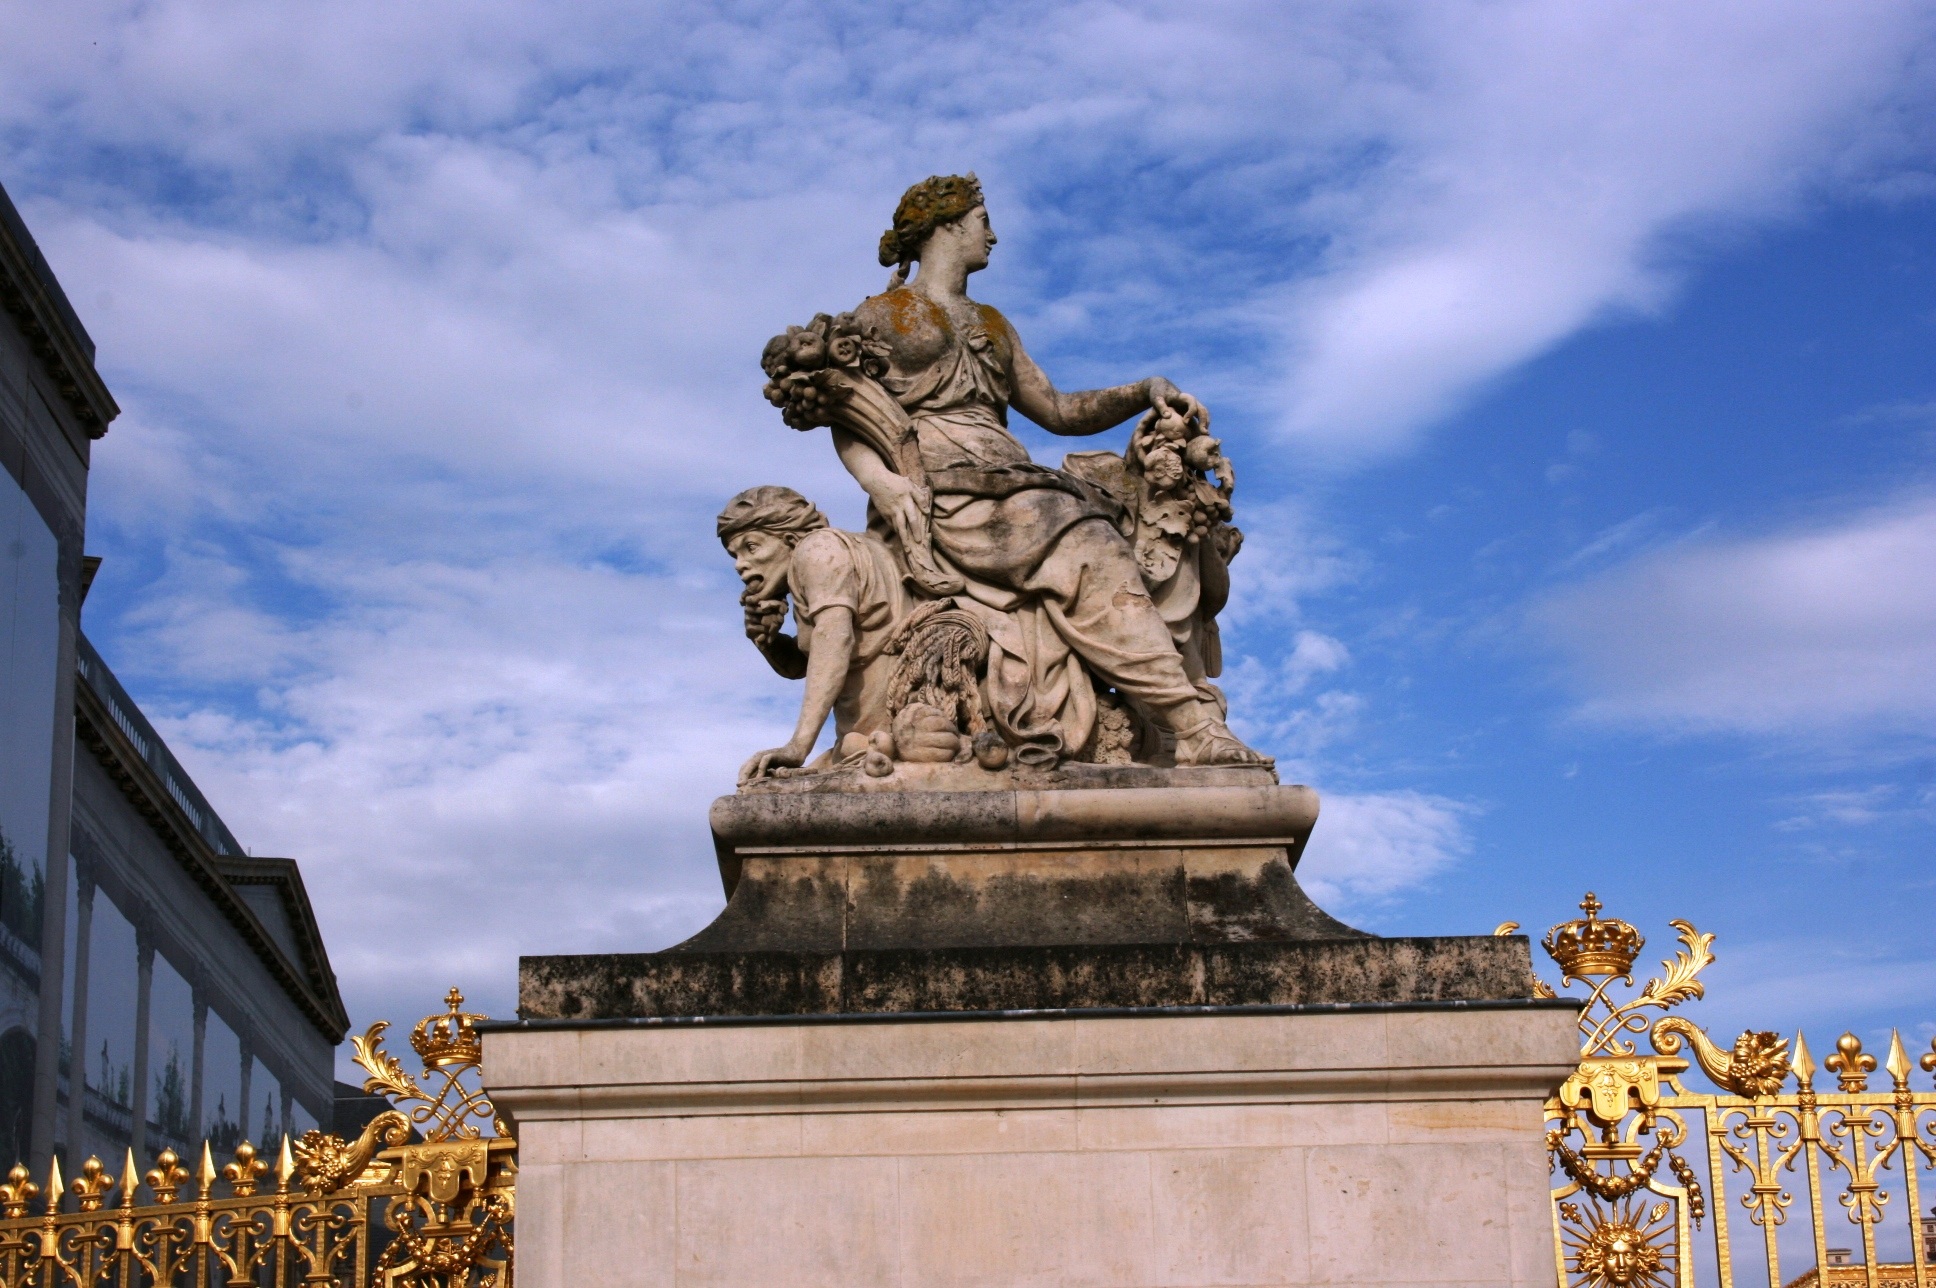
[[1856, 807], [1370, 846], [1828, 629], [1543, 160], [1287, 556], [523, 736], [1482, 179], [1313, 654]]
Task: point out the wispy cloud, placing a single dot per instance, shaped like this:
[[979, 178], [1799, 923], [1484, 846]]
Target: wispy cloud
[[1369, 846], [1828, 629]]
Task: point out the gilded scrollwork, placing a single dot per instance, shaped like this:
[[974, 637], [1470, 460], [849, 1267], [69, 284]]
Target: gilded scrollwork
[[325, 1162], [1832, 1151], [1757, 1065], [388, 1208]]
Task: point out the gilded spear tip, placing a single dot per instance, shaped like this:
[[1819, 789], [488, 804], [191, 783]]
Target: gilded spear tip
[[54, 1186], [1898, 1062], [205, 1174], [128, 1182], [1802, 1063]]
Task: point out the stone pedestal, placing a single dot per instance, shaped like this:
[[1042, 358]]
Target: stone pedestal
[[1365, 1145], [1071, 1027]]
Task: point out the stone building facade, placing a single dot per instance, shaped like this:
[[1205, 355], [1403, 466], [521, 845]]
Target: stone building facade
[[157, 983]]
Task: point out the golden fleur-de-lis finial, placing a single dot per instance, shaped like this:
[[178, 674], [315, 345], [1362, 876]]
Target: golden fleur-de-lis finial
[[17, 1192], [167, 1177], [241, 1174], [94, 1181], [1850, 1065]]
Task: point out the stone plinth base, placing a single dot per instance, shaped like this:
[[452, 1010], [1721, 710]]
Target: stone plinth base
[[1085, 887], [1360, 1145]]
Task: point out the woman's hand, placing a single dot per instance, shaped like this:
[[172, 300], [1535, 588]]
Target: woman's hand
[[899, 503], [1166, 397]]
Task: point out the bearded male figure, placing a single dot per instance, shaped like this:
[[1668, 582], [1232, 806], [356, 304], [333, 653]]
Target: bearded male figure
[[1039, 549], [847, 599]]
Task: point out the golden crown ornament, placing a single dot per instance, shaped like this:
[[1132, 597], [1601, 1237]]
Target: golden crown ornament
[[1589, 947], [447, 1039]]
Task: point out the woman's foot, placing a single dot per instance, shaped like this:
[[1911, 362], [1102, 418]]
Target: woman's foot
[[1212, 743]]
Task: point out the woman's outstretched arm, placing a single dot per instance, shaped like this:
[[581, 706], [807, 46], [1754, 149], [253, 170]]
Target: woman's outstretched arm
[[1090, 411]]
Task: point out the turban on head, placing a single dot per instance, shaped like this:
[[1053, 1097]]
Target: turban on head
[[769, 508]]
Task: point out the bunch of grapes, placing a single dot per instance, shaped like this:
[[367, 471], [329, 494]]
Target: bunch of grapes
[[794, 363]]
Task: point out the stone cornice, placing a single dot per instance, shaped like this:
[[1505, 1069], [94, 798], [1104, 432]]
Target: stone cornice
[[64, 356], [1218, 1056], [96, 730], [285, 878]]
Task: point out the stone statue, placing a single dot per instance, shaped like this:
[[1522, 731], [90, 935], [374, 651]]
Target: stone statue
[[1056, 615]]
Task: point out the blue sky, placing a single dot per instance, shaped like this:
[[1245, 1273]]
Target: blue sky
[[1575, 363]]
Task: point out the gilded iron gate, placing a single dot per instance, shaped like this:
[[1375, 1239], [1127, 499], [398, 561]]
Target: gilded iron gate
[[1769, 1178], [424, 1198]]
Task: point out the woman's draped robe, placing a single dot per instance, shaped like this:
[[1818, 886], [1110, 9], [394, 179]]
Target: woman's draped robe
[[1027, 540]]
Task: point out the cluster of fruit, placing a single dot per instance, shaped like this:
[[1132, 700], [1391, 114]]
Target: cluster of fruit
[[1177, 459], [798, 362]]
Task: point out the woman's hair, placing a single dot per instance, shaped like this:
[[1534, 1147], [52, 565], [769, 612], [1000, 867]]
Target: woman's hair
[[936, 200], [779, 510]]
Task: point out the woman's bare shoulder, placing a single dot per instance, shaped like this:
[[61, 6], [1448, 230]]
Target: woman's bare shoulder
[[900, 312]]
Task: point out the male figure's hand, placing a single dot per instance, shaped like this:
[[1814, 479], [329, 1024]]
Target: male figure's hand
[[763, 620], [791, 756]]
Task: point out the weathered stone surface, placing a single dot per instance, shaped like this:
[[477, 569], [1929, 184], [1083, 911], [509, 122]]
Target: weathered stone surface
[[1095, 895], [1073, 977], [1087, 806], [1057, 895]]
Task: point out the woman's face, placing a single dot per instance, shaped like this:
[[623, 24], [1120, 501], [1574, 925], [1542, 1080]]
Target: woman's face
[[970, 236]]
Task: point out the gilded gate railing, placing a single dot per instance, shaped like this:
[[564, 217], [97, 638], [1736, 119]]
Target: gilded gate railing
[[1769, 1177], [422, 1199]]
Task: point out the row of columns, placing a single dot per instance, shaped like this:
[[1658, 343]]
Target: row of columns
[[143, 1003]]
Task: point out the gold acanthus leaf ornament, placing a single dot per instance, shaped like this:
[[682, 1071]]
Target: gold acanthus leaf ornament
[[1757, 1066], [1679, 983], [386, 1072]]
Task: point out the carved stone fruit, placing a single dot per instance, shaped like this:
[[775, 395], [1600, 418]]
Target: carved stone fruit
[[990, 751]]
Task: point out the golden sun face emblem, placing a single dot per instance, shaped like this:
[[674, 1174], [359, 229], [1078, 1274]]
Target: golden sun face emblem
[[1616, 1247], [1618, 1255]]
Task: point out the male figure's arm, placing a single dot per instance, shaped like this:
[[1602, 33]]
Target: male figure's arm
[[782, 652], [824, 579]]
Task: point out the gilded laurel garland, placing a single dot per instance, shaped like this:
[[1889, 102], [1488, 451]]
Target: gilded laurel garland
[[421, 1199], [1642, 1161]]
